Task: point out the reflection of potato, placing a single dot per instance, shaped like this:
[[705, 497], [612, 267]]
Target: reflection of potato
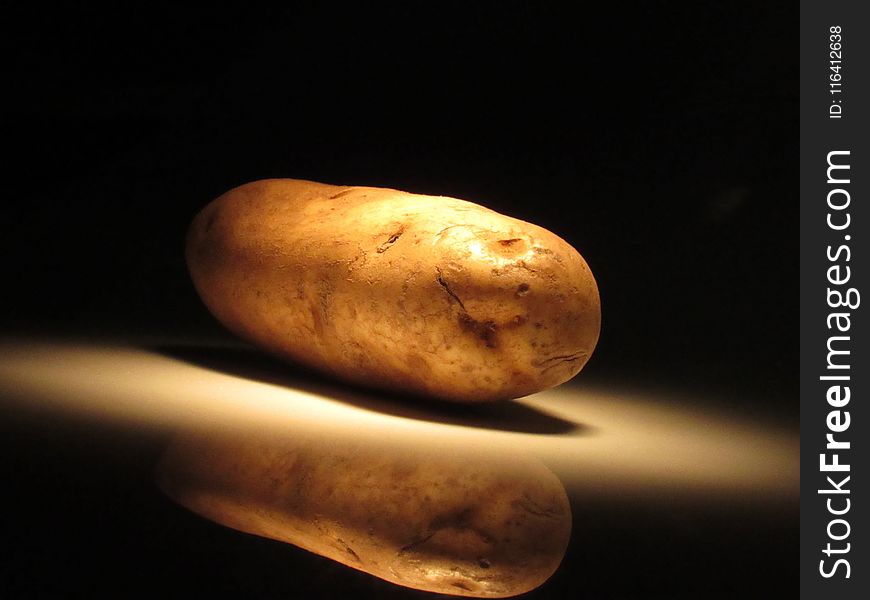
[[456, 525], [417, 293]]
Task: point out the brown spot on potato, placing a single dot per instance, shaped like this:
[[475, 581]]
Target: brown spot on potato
[[516, 321], [394, 237], [485, 330], [344, 192], [212, 219], [510, 246], [417, 363], [522, 289], [459, 518], [346, 547], [325, 297], [315, 316]]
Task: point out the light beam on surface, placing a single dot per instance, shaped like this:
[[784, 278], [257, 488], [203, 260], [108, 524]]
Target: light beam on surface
[[601, 440]]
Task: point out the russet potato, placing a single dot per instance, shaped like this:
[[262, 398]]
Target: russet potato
[[424, 294]]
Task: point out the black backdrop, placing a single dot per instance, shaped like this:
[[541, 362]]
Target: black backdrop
[[659, 138]]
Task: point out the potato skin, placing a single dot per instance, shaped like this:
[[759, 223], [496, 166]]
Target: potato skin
[[423, 294], [452, 522]]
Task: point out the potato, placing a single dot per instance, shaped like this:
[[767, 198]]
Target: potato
[[423, 294], [454, 523]]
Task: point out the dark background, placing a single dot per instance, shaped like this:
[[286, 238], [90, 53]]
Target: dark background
[[659, 138]]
